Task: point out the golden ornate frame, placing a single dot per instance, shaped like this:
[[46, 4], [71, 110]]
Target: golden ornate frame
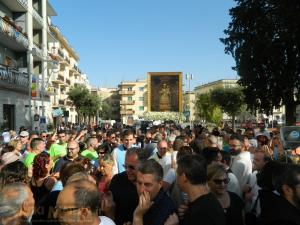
[[180, 95]]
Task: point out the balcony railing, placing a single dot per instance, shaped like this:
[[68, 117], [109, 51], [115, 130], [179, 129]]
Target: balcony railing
[[24, 3], [127, 92], [37, 16], [127, 112], [14, 78], [6, 27], [127, 102], [60, 53]]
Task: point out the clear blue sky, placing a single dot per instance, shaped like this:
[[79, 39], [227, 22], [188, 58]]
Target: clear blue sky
[[124, 39]]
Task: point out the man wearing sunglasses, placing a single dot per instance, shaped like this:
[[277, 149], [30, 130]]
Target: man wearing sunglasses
[[72, 154], [123, 190]]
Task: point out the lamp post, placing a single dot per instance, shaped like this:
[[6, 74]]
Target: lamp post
[[189, 77]]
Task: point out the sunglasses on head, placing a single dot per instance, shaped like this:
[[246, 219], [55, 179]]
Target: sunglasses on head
[[220, 181]]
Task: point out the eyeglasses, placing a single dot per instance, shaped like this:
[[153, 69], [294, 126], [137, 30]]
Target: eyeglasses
[[101, 153], [61, 136], [220, 181], [71, 149], [23, 136], [44, 136], [66, 209], [130, 167]]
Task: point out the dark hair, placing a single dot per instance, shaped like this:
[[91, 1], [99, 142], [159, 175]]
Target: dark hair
[[34, 142], [13, 172], [127, 132], [105, 146], [150, 166], [68, 169], [287, 175], [194, 168], [86, 195], [61, 132], [6, 149], [210, 154], [265, 179], [237, 137], [39, 165], [110, 132], [226, 157], [184, 150]]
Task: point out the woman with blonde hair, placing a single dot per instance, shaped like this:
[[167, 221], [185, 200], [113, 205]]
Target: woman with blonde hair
[[106, 169], [231, 203], [17, 145]]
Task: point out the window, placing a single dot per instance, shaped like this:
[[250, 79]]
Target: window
[[141, 108], [129, 89], [141, 88], [141, 99], [129, 98]]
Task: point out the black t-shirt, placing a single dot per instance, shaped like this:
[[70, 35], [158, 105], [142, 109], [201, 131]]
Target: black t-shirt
[[234, 213], [125, 197], [204, 210]]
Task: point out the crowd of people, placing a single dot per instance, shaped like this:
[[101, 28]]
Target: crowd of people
[[164, 175]]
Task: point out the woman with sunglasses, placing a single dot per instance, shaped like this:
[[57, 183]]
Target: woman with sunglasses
[[231, 203]]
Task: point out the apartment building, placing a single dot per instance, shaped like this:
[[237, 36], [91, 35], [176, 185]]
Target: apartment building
[[24, 62], [133, 100], [111, 103], [63, 78]]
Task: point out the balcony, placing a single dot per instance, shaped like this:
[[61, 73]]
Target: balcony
[[16, 5], [14, 80], [58, 79], [127, 92], [11, 35], [37, 17], [61, 103], [127, 102], [127, 112], [68, 82]]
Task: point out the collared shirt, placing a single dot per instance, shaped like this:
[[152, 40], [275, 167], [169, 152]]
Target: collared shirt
[[161, 209]]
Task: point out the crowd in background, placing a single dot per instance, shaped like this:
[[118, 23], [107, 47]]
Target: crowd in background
[[163, 174]]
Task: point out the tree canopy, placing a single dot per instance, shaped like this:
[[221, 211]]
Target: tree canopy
[[207, 110], [229, 99], [264, 39], [86, 104]]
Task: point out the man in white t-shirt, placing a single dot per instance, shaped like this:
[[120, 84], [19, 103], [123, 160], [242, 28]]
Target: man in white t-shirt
[[78, 203], [242, 164], [162, 156]]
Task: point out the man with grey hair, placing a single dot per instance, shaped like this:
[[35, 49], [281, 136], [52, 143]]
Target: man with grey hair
[[16, 204], [155, 206], [78, 204]]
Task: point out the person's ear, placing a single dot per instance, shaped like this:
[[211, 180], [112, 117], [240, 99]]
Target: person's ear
[[287, 190], [84, 213]]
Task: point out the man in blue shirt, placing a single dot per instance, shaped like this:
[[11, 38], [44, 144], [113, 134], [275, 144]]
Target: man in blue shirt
[[119, 152]]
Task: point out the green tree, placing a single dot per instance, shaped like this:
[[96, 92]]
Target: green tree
[[106, 111], [264, 39], [78, 95], [86, 104], [230, 100], [207, 110]]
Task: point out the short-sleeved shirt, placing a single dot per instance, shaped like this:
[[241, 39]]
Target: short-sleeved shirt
[[125, 197], [204, 210], [58, 150], [92, 155], [161, 209], [29, 159]]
